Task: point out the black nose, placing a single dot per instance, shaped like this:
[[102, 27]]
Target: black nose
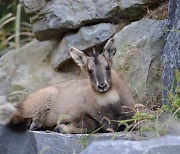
[[102, 86]]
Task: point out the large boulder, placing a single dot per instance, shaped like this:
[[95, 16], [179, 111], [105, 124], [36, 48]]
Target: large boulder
[[165, 145], [29, 68], [138, 58], [85, 38], [171, 54], [54, 18]]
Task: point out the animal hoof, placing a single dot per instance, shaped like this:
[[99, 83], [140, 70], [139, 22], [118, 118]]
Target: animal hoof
[[33, 126], [105, 121], [56, 129], [61, 128], [110, 130]]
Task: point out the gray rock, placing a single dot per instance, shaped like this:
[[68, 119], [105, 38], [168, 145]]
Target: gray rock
[[54, 18], [36, 142], [33, 7], [59, 16], [165, 145], [13, 142], [138, 58], [85, 38], [134, 8], [171, 53], [2, 100], [172, 6], [29, 68]]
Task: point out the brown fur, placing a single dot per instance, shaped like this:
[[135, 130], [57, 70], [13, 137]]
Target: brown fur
[[81, 104]]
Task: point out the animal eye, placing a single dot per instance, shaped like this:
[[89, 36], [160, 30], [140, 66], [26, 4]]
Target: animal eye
[[90, 72], [107, 68]]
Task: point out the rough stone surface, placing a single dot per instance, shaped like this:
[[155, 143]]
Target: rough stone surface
[[54, 18], [165, 145], [134, 8], [85, 38], [27, 142], [3, 100], [171, 53], [138, 58], [29, 68], [32, 7], [35, 142]]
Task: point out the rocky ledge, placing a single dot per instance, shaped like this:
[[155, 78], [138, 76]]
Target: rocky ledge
[[38, 142], [35, 142], [165, 145]]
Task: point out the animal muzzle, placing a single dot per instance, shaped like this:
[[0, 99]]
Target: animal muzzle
[[102, 87]]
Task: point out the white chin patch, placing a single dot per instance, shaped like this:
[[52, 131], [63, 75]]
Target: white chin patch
[[110, 97]]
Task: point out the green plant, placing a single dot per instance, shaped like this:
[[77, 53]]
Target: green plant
[[17, 26], [84, 140], [173, 30], [14, 32], [44, 149], [160, 121], [4, 35], [173, 107]]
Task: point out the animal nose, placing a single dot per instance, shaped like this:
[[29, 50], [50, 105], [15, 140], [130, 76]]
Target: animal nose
[[102, 86]]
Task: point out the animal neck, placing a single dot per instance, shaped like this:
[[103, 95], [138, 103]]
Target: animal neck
[[111, 97]]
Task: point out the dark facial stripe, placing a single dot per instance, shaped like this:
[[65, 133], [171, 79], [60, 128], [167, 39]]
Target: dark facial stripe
[[95, 55], [99, 71], [96, 59], [99, 74]]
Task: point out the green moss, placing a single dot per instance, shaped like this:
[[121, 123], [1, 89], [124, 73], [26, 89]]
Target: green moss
[[17, 87]]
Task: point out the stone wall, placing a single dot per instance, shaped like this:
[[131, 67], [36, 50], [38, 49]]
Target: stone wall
[[84, 24]]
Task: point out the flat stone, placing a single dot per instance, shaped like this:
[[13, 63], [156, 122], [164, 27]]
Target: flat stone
[[164, 145]]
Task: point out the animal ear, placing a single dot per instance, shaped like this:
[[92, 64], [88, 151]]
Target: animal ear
[[109, 49], [79, 57]]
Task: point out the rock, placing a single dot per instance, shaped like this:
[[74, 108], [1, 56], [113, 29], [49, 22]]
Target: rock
[[33, 7], [165, 145], [29, 68], [55, 18], [2, 100], [33, 142], [138, 58], [13, 142], [171, 53], [135, 8], [173, 6], [85, 38]]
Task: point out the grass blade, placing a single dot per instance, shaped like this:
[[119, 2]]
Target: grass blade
[[17, 26]]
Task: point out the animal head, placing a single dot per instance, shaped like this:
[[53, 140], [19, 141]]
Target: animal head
[[98, 66]]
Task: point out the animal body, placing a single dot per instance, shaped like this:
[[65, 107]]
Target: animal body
[[77, 106]]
